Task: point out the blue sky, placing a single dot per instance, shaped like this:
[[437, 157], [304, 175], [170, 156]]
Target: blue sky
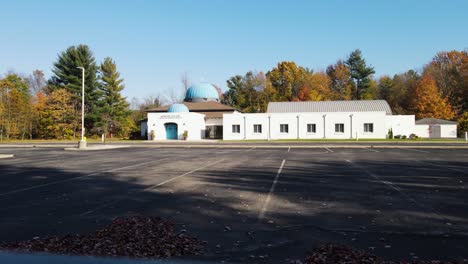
[[155, 42]]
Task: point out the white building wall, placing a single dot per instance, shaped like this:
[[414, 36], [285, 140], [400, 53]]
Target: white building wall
[[193, 123], [436, 131], [402, 125], [448, 131], [421, 131], [214, 122], [297, 125]]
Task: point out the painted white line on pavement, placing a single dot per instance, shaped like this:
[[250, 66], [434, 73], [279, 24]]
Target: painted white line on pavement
[[182, 175], [443, 167], [289, 149], [391, 185], [329, 150], [261, 215], [149, 188], [375, 176], [251, 149], [75, 178], [370, 149], [418, 150]]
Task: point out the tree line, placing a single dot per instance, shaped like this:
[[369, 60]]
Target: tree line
[[33, 107], [439, 90]]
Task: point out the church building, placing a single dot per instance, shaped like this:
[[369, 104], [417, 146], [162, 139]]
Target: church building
[[202, 116]]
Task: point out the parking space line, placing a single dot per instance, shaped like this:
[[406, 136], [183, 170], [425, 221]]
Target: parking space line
[[289, 148], [329, 150], [371, 149], [443, 167], [75, 178], [182, 175], [149, 188], [418, 150], [400, 191], [261, 215]]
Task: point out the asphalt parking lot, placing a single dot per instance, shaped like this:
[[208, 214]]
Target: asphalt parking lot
[[252, 205]]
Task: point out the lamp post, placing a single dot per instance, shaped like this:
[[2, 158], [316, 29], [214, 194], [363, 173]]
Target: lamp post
[[82, 143]]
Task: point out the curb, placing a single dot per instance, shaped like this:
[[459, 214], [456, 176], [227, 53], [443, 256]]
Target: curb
[[92, 148]]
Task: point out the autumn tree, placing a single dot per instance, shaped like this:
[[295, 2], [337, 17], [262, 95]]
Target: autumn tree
[[360, 73], [114, 111], [68, 76], [59, 118], [246, 92], [428, 101], [319, 84], [450, 71], [402, 92], [462, 124], [15, 107], [287, 79], [340, 81], [36, 82], [385, 88]]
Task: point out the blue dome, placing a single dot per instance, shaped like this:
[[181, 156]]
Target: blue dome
[[178, 108], [203, 91]]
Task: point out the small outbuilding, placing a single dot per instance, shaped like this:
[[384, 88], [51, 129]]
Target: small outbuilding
[[435, 128]]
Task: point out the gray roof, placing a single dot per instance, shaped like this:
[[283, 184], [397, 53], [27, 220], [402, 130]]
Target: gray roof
[[330, 106], [434, 121]]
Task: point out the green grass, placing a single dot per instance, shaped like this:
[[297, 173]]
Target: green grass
[[419, 140], [89, 140]]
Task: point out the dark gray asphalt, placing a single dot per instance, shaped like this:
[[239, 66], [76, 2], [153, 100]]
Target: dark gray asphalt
[[397, 203]]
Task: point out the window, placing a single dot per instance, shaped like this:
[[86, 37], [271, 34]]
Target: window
[[284, 128], [257, 128], [236, 129], [311, 128], [369, 127], [339, 128]]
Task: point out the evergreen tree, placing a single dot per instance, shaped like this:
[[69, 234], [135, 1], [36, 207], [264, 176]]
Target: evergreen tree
[[114, 111], [360, 73], [385, 88], [68, 76]]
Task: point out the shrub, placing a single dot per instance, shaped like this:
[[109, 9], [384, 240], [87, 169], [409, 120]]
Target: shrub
[[390, 133], [185, 135], [413, 136], [403, 137], [397, 137], [152, 135]]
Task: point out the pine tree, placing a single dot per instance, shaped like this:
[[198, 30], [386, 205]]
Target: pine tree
[[68, 76], [114, 111], [360, 72]]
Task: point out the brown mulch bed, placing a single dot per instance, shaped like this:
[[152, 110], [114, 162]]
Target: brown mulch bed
[[135, 237], [337, 254]]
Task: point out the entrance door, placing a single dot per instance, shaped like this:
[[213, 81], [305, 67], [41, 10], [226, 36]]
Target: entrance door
[[214, 132], [171, 131]]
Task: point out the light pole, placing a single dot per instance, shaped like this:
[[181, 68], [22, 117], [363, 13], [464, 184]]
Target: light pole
[[82, 143]]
